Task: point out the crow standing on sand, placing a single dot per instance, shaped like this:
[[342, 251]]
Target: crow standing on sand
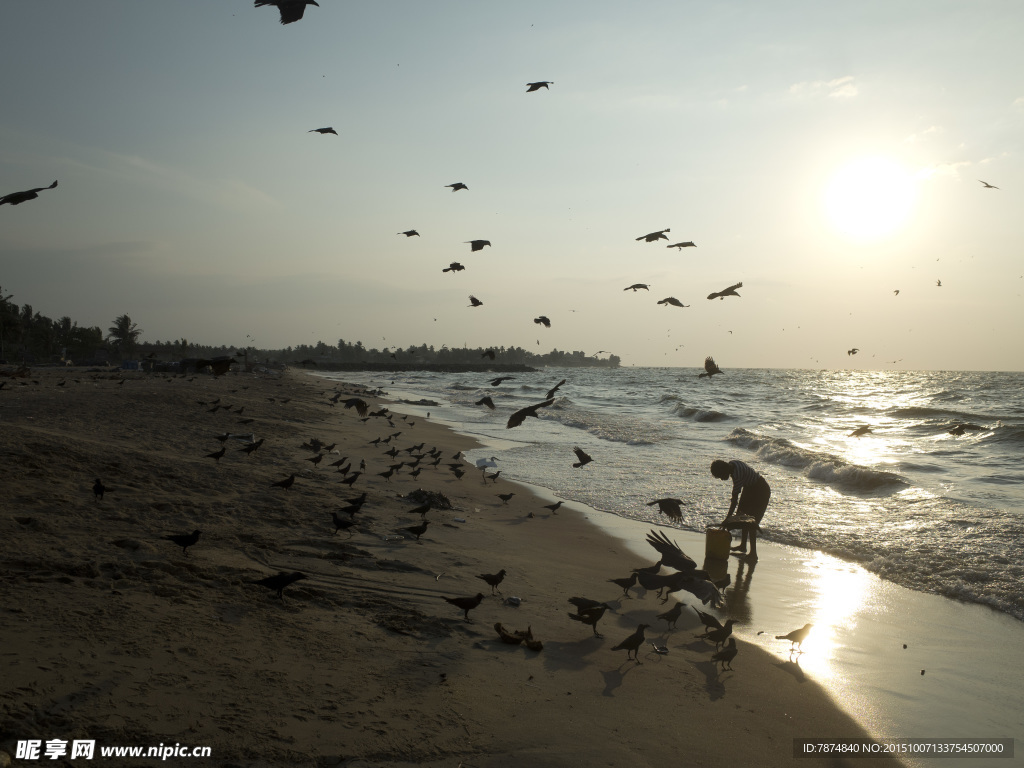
[[280, 581], [465, 604], [286, 483], [632, 643], [710, 622], [589, 615], [340, 524], [183, 540], [626, 584], [17, 198], [672, 615], [719, 636], [418, 530], [216, 455], [797, 636], [726, 655], [291, 10], [493, 579], [98, 489]]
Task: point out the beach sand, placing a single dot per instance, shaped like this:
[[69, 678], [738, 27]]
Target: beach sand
[[109, 632]]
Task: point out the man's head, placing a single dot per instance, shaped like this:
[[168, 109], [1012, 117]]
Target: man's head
[[721, 469]]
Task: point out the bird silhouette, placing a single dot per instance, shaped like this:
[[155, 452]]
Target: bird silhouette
[[485, 400], [710, 622], [672, 614], [98, 489], [475, 302], [488, 353], [505, 497], [322, 131], [291, 10], [653, 236], [673, 301], [521, 415], [252, 447], [216, 455], [853, 351], [632, 643], [457, 186], [531, 87], [668, 507], [730, 291], [453, 267], [625, 584], [720, 634], [418, 530], [497, 381], [278, 582], [409, 233], [553, 390], [493, 579], [465, 604], [340, 524], [726, 655], [554, 507], [17, 198], [938, 283], [680, 246], [797, 636], [286, 483], [589, 615], [183, 540], [860, 431], [637, 286], [358, 403], [477, 245], [710, 368], [582, 456], [542, 320], [987, 185]]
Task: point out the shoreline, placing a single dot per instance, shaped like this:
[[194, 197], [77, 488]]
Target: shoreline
[[112, 633]]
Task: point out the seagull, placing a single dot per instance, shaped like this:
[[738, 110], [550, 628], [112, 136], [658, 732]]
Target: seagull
[[637, 286], [453, 267], [669, 507], [531, 87], [730, 291], [680, 246], [16, 198], [673, 301], [457, 186], [322, 131], [474, 302], [710, 368], [542, 320], [853, 351], [652, 236], [520, 416], [410, 233], [291, 10], [583, 457], [477, 245], [987, 185]]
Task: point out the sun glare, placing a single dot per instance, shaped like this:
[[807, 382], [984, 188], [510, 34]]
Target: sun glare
[[870, 197]]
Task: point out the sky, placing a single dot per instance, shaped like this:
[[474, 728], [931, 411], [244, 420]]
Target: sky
[[825, 155]]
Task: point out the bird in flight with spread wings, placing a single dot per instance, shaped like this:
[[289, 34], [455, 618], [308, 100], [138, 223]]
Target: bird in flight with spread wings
[[673, 301], [531, 87], [16, 198], [680, 246], [730, 291], [291, 10], [653, 236], [322, 131], [710, 368], [521, 415]]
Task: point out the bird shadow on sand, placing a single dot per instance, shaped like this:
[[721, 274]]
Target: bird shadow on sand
[[613, 677], [792, 666], [714, 683], [560, 655]]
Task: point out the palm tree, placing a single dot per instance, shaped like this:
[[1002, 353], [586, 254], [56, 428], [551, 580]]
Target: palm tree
[[124, 333]]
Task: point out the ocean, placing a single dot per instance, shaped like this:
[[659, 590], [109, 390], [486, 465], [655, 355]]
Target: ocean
[[921, 507]]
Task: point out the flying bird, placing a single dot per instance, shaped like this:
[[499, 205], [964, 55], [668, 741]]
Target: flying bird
[[322, 131], [896, 292], [730, 291], [520, 416], [583, 457], [531, 87], [457, 186], [853, 351], [673, 301], [291, 10], [797, 636], [497, 381], [477, 245], [488, 353], [637, 286], [710, 368], [669, 507], [183, 540], [710, 622], [680, 246], [553, 390], [987, 185], [859, 431], [652, 236], [938, 283], [474, 302], [17, 198], [485, 400], [409, 233], [453, 267], [542, 320], [626, 584]]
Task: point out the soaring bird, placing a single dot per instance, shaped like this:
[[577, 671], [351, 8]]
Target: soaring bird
[[280, 581], [637, 287], [726, 655], [673, 301], [488, 353], [590, 615], [493, 579], [896, 292], [453, 267], [477, 245], [652, 236], [465, 604], [553, 390], [680, 246], [672, 615], [730, 291], [860, 431], [531, 87], [358, 403], [668, 507], [497, 381], [710, 368], [633, 642], [17, 198], [475, 302], [520, 416], [183, 540], [853, 351], [485, 400], [409, 233], [457, 186], [542, 320], [985, 183], [938, 283], [797, 636], [583, 457], [322, 131], [291, 10]]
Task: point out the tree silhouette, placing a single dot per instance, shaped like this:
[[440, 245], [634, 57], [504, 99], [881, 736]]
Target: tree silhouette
[[124, 333]]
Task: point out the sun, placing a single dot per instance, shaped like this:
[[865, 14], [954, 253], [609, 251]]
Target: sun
[[870, 197]]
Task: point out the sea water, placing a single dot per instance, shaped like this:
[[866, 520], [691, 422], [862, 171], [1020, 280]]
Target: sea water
[[930, 510]]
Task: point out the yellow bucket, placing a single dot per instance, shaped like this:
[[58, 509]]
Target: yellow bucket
[[716, 543]]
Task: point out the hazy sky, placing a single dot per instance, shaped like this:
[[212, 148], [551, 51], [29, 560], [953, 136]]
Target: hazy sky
[[824, 154]]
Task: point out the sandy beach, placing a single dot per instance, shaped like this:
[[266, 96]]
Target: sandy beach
[[112, 633]]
